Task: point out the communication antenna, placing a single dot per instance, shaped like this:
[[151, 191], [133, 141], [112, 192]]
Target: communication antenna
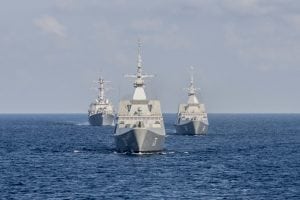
[[139, 76]]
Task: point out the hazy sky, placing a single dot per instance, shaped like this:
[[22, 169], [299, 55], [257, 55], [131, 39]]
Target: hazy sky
[[246, 53]]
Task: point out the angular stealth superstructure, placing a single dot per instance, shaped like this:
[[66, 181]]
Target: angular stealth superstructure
[[191, 117], [101, 112], [140, 126]]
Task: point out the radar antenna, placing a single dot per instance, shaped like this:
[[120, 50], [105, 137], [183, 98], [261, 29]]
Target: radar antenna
[[101, 87], [139, 76], [139, 93]]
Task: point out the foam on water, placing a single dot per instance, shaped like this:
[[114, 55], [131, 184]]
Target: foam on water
[[83, 124]]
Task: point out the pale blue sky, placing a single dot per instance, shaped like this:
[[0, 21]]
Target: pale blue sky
[[246, 53]]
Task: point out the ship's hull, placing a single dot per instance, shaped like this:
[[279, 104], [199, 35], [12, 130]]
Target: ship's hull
[[101, 119], [191, 128], [139, 140]]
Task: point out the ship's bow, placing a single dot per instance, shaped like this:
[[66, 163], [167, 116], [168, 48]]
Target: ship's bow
[[140, 140], [192, 128]]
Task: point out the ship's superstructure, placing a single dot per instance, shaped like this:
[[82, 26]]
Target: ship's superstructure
[[140, 126], [101, 112], [191, 117]]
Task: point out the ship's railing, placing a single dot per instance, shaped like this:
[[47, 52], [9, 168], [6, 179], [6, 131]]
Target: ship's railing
[[100, 111], [139, 118], [193, 115], [140, 124]]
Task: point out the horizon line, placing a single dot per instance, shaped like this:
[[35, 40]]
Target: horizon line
[[81, 113]]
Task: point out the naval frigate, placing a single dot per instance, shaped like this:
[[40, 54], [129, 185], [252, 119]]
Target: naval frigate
[[191, 117], [140, 126], [101, 112]]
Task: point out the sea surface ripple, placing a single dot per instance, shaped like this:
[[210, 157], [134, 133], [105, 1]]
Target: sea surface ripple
[[243, 156]]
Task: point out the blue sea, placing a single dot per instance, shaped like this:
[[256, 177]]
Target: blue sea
[[243, 156]]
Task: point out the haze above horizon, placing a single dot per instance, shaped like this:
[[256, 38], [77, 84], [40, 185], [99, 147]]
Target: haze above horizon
[[245, 53]]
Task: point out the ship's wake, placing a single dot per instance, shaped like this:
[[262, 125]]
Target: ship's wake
[[82, 124]]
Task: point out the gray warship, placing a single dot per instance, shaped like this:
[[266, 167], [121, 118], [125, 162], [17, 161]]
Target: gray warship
[[140, 126], [191, 117], [101, 112]]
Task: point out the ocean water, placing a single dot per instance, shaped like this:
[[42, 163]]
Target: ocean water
[[243, 156]]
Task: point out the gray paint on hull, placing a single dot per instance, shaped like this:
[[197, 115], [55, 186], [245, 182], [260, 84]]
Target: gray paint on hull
[[191, 128], [140, 140], [101, 119]]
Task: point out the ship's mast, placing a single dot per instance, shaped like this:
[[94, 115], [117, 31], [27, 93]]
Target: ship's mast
[[101, 89], [192, 90], [139, 92]]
